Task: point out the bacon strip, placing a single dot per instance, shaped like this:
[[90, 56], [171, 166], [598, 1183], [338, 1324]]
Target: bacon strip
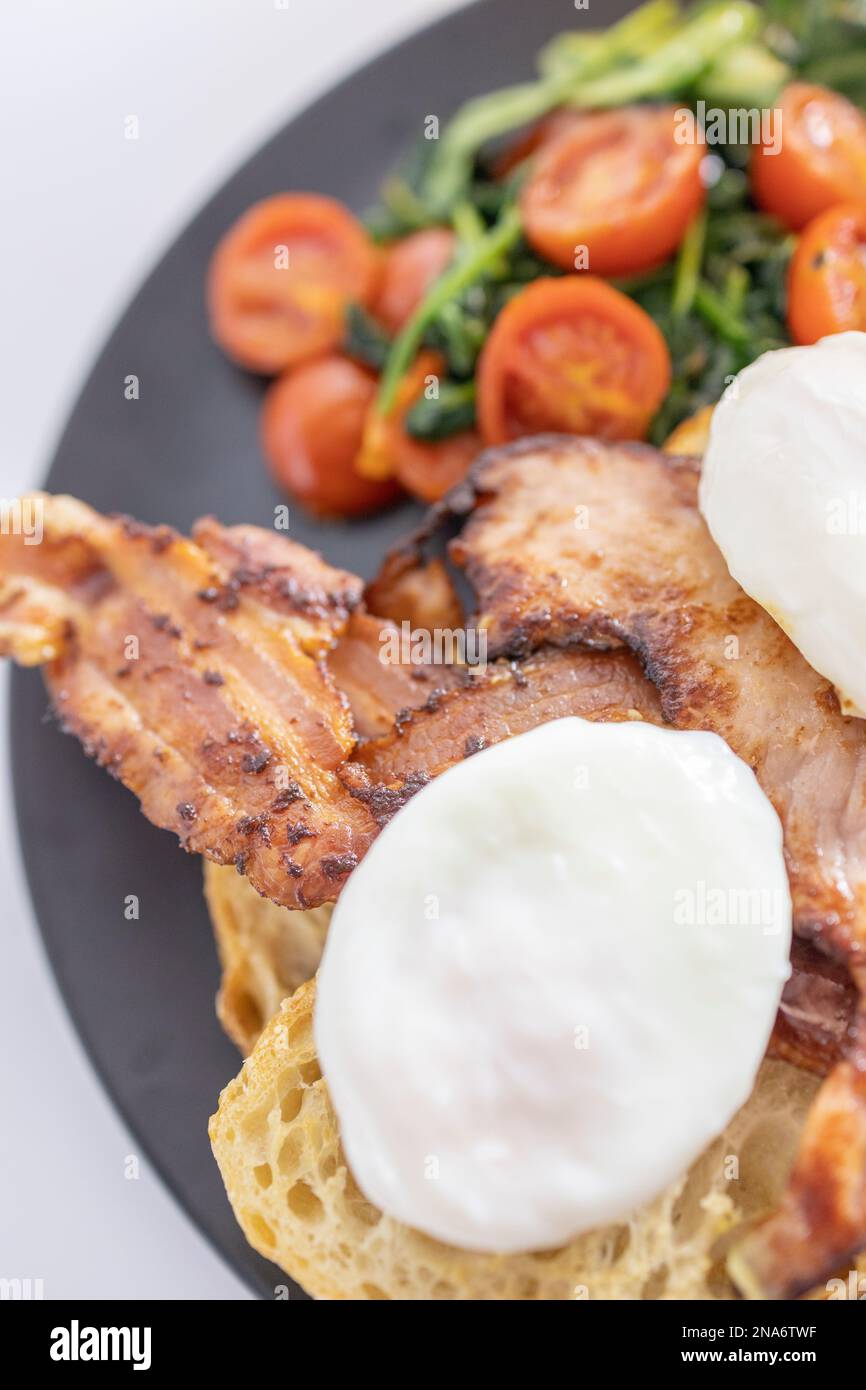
[[414, 590], [195, 672], [817, 1011], [506, 699], [379, 690]]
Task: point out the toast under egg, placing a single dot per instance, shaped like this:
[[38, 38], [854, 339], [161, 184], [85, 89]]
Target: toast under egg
[[277, 1143]]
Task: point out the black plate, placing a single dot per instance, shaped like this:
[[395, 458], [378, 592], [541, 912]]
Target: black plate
[[142, 993]]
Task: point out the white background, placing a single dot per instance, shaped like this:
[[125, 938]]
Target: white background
[[81, 224]]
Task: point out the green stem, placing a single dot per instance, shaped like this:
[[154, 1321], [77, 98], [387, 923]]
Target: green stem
[[597, 49], [689, 266], [405, 205], [677, 62], [476, 123], [737, 283], [469, 266], [467, 222], [747, 75], [715, 310]]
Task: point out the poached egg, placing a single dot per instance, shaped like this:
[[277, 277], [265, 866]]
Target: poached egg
[[783, 491], [550, 982]]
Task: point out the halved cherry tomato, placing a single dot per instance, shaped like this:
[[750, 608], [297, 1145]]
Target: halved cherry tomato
[[813, 156], [536, 138], [281, 278], [411, 266], [827, 279], [312, 426], [618, 183], [427, 470], [573, 355]]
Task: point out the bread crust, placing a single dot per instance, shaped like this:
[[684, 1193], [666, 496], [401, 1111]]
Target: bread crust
[[265, 951]]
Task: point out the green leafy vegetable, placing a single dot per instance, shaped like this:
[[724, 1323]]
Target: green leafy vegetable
[[452, 411], [722, 301], [365, 339]]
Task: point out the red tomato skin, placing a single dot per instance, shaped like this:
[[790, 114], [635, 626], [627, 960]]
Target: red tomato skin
[[827, 276], [590, 319], [410, 267], [429, 470], [538, 137], [574, 198], [311, 429], [813, 157], [268, 316]]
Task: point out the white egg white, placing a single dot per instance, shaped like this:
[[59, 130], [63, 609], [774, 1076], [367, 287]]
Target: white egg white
[[552, 979], [783, 491]]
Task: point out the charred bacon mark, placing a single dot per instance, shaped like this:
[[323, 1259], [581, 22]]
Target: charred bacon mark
[[256, 825], [338, 865], [225, 597], [384, 802], [287, 797], [163, 623], [407, 714], [158, 537], [296, 833], [256, 762]]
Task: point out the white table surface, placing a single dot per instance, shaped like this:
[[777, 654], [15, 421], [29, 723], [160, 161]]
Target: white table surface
[[85, 214]]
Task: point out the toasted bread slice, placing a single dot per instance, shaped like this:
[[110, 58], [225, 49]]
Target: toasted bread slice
[[277, 1143], [265, 951]]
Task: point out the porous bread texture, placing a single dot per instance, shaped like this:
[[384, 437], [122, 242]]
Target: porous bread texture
[[265, 951], [276, 1140]]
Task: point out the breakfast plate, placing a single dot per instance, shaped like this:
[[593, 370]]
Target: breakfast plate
[[239, 683]]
